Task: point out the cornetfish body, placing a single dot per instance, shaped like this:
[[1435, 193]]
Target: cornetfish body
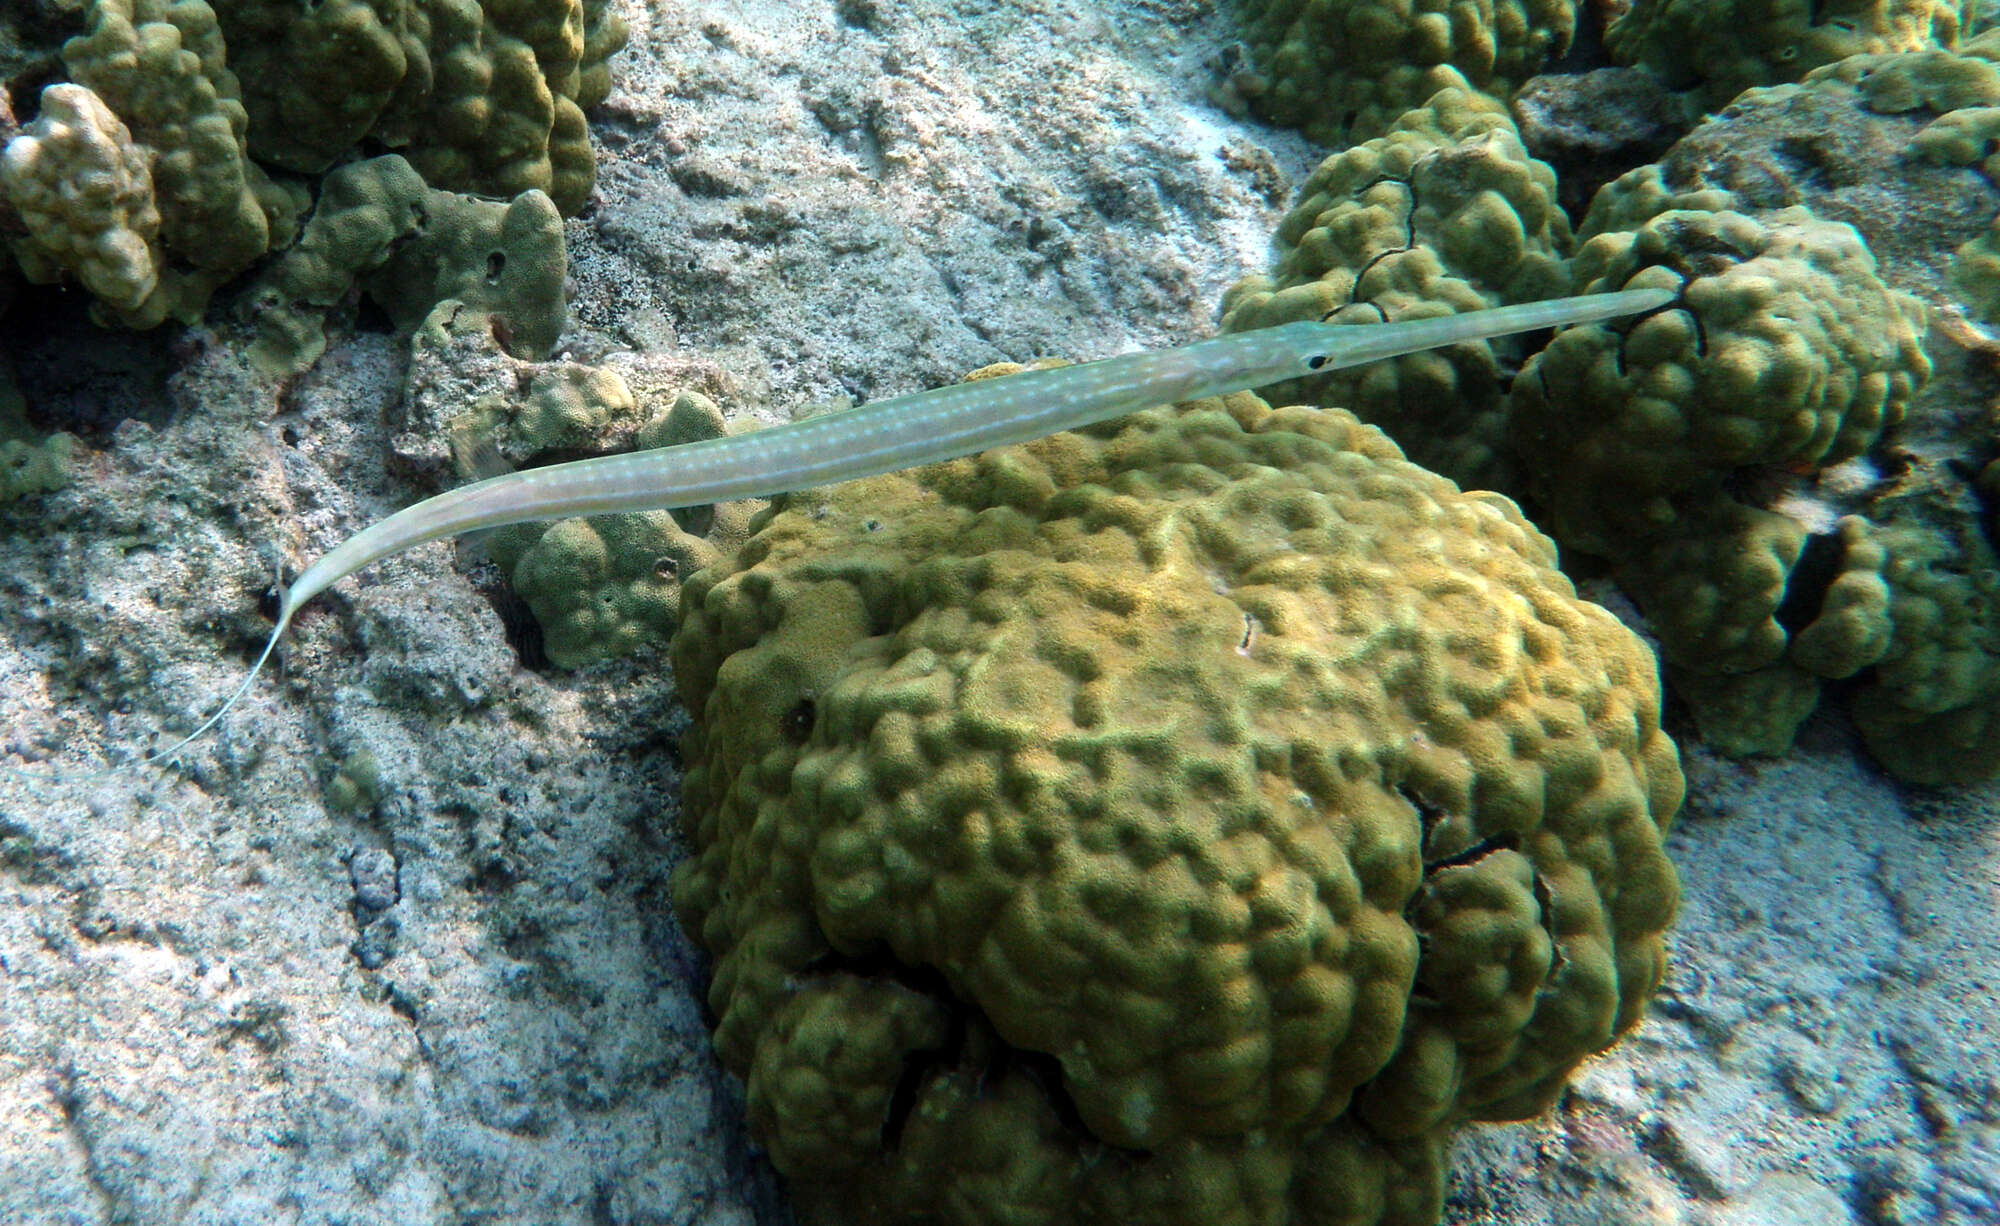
[[910, 430]]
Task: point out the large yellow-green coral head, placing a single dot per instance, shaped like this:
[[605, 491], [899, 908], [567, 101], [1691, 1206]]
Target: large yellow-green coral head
[[1213, 785]]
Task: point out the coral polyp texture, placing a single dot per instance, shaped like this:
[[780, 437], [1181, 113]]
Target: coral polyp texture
[[480, 97], [84, 193], [183, 169], [1446, 212], [1719, 49], [1669, 447], [1189, 819], [1343, 70], [1839, 530], [602, 586], [415, 250]]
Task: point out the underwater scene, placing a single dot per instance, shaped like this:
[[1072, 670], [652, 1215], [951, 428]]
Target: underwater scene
[[1000, 612]]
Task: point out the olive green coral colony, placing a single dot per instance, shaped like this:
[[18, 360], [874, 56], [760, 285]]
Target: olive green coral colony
[[1763, 472], [1217, 808], [1196, 816]]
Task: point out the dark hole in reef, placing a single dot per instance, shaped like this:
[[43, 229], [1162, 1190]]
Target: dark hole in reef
[[917, 1069], [1760, 485], [1520, 342], [1812, 575], [797, 723], [495, 876], [1046, 1072], [503, 335], [496, 263], [524, 940], [82, 378], [924, 1063], [1545, 904], [517, 620], [370, 317], [1505, 841], [1428, 814], [23, 94], [665, 568], [1979, 473], [401, 1004], [861, 14], [268, 602], [1811, 162]]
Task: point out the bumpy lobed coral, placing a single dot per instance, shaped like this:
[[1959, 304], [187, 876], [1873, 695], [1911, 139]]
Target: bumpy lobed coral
[[1800, 542], [1648, 446], [157, 88], [602, 586], [146, 178], [1719, 48], [1931, 707], [31, 462], [1747, 463], [1343, 70], [482, 97], [415, 251], [84, 193], [1191, 819], [1785, 350], [1444, 213]]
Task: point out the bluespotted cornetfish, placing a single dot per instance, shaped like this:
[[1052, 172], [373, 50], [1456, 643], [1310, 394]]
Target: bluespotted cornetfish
[[905, 432]]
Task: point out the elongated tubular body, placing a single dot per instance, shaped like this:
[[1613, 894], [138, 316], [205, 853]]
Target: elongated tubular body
[[928, 427], [907, 431]]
